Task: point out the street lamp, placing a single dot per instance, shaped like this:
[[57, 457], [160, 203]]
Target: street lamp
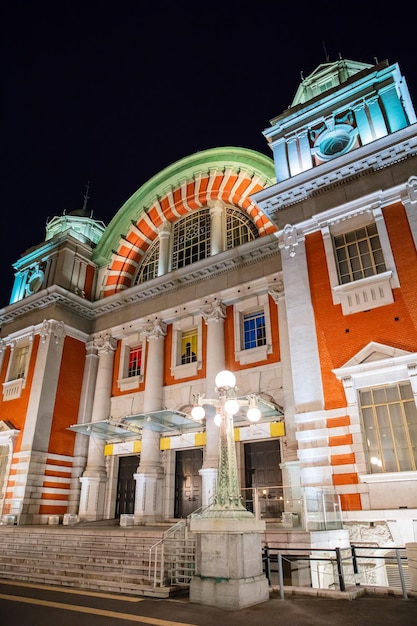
[[227, 499]]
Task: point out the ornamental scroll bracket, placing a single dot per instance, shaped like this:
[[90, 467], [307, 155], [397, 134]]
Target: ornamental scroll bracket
[[289, 239]]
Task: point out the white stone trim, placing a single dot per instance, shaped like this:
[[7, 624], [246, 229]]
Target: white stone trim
[[187, 370], [253, 304], [373, 291]]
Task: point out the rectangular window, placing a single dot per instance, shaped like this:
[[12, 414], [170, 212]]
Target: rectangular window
[[135, 361], [20, 358], [189, 346], [389, 416], [359, 254], [254, 333]]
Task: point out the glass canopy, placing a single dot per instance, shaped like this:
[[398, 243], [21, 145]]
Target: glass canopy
[[169, 421]]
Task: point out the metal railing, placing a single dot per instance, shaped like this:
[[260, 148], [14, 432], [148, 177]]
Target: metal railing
[[337, 568], [172, 558]]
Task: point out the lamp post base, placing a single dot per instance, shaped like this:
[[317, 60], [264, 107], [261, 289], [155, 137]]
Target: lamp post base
[[230, 595], [229, 563]]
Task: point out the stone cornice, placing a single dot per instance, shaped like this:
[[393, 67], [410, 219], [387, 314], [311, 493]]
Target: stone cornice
[[319, 180], [262, 248]]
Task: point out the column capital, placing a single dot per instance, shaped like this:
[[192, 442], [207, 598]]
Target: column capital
[[105, 343], [213, 311], [155, 329], [289, 239], [411, 189], [54, 329], [277, 291], [215, 206], [164, 230]]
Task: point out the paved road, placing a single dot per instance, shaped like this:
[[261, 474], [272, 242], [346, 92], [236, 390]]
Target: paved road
[[29, 605]]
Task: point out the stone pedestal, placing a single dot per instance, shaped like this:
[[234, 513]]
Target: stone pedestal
[[93, 492], [411, 550], [229, 563]]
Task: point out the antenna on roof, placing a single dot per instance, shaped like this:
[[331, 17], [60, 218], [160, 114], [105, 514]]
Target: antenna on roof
[[325, 51], [86, 196], [302, 75], [376, 60]]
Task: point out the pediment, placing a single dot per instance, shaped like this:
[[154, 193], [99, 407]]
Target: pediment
[[374, 352], [5, 426]]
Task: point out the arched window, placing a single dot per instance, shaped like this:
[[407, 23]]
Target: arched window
[[191, 240], [239, 228], [149, 266]]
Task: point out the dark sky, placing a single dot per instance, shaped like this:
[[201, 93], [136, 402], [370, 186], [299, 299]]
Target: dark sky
[[112, 92]]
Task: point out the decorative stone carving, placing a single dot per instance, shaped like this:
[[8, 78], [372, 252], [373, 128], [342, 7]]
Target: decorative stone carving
[[289, 239], [154, 329], [54, 329], [105, 344], [213, 311], [276, 291], [411, 187]]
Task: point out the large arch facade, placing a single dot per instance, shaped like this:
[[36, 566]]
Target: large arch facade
[[227, 175]]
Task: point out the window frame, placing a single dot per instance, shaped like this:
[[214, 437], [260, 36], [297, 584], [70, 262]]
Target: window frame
[[13, 385], [365, 293], [236, 227], [189, 324], [375, 365], [126, 382], [376, 424], [258, 303]]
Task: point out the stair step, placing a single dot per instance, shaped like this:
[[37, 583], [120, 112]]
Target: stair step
[[108, 559]]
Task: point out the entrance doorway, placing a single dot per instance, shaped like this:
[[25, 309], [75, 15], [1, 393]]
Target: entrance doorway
[[126, 485], [263, 478], [187, 482]]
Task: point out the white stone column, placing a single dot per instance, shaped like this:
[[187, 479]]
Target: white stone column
[[94, 478], [302, 338], [290, 465], [409, 200], [216, 215], [164, 232], [149, 478], [85, 412], [304, 355], [39, 419], [214, 314]]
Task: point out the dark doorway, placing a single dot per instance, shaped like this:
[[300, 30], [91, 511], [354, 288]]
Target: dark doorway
[[187, 482], [125, 499], [263, 477]]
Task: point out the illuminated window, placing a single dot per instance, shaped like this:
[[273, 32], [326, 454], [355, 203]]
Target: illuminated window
[[135, 361], [189, 346], [359, 254], [191, 239], [254, 334], [239, 228], [149, 265], [132, 362], [389, 416], [19, 364]]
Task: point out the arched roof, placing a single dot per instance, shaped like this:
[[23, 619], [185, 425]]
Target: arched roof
[[229, 174]]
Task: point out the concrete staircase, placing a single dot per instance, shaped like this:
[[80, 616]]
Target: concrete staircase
[[93, 556]]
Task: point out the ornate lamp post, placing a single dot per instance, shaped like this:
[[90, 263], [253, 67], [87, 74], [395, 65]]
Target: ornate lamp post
[[229, 547], [227, 500]]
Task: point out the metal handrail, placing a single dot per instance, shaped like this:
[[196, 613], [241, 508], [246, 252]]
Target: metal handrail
[[278, 555]]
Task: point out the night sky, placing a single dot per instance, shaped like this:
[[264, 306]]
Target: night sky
[[110, 93]]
